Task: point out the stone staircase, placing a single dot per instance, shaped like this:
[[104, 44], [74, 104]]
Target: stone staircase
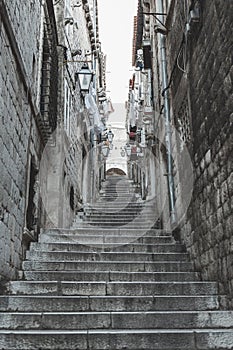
[[113, 281]]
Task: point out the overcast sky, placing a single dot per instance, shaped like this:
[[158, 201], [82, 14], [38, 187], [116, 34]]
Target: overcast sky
[[116, 35]]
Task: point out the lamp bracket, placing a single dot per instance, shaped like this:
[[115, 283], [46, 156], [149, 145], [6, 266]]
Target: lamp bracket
[[155, 14]]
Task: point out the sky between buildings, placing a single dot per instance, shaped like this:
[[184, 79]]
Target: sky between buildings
[[116, 36]]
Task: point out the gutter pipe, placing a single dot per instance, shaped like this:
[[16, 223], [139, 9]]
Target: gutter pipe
[[167, 115]]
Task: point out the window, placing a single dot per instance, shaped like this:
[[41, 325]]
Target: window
[[183, 123]]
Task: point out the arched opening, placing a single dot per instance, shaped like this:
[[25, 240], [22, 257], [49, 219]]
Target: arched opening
[[115, 171]]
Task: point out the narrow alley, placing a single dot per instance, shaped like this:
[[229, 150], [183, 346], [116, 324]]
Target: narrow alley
[[104, 286], [116, 215]]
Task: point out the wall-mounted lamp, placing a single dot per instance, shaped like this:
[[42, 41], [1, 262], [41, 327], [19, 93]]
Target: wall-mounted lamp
[[128, 149], [159, 28], [139, 152], [110, 136], [122, 153], [84, 76], [105, 149]]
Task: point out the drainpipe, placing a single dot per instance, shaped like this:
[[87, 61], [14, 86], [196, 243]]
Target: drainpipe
[[162, 46]]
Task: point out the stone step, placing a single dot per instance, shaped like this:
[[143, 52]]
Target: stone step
[[117, 203], [117, 221], [116, 320], [133, 247], [108, 225], [111, 288], [111, 231], [109, 276], [121, 193], [104, 256], [132, 266], [124, 210], [112, 197], [121, 183], [120, 213], [115, 217], [134, 223], [175, 339], [118, 185], [142, 217], [107, 303], [93, 240]]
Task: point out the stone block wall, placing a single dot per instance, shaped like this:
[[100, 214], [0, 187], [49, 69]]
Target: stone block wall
[[32, 107], [203, 94], [25, 18], [19, 31]]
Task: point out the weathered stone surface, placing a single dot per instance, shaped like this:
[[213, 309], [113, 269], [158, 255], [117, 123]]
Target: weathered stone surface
[[120, 299], [208, 92]]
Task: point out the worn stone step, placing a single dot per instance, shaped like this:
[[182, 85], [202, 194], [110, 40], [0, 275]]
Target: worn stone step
[[88, 239], [116, 320], [121, 225], [104, 256], [132, 266], [125, 185], [160, 339], [127, 198], [109, 276], [132, 223], [111, 231], [108, 303], [118, 207], [114, 218], [100, 236], [117, 192], [115, 222], [161, 288], [117, 204], [121, 210], [111, 288], [133, 247]]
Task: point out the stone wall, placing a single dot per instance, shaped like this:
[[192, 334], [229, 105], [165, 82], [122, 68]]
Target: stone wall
[[19, 33], [202, 103], [42, 178]]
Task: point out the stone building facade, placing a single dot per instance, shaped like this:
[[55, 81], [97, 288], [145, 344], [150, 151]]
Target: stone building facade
[[192, 69], [47, 129], [21, 138]]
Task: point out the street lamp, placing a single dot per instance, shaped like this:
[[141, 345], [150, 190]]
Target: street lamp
[[105, 149], [110, 136], [128, 149], [84, 77], [122, 153], [139, 152]]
